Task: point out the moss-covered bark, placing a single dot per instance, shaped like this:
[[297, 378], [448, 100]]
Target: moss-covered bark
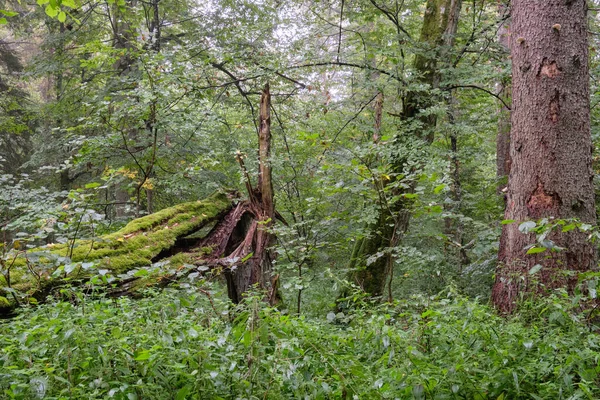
[[371, 259], [139, 244]]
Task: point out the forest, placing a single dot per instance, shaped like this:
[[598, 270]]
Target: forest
[[299, 199]]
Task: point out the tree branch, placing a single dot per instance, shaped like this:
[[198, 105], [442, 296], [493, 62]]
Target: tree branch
[[347, 64], [448, 88]]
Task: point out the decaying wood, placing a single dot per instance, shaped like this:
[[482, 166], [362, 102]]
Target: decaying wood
[[172, 243], [255, 218]]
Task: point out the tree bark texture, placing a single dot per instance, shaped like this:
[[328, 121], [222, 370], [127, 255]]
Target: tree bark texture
[[550, 147], [257, 270], [440, 24]]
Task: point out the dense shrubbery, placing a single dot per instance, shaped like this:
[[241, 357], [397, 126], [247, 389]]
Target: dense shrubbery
[[187, 345]]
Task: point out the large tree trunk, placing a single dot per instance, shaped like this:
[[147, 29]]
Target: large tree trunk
[[149, 243], [368, 270], [551, 172]]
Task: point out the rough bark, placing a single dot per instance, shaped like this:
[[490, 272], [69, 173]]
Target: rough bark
[[440, 24], [438, 30], [551, 172]]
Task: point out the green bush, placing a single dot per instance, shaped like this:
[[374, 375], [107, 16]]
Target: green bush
[[193, 345]]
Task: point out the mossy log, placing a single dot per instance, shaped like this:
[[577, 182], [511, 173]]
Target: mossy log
[[169, 235], [217, 234]]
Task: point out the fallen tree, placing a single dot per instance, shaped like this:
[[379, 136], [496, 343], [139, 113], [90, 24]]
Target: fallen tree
[[221, 234]]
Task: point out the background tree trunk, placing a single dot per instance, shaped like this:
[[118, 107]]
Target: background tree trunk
[[504, 90], [439, 28], [551, 172]]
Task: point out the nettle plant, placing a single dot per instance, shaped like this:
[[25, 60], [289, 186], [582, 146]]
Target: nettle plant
[[32, 221], [544, 230]]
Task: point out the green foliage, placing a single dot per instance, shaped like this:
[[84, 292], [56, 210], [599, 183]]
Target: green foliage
[[193, 345]]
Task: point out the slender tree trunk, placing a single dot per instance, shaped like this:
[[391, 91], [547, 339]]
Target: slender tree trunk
[[122, 37], [368, 270], [453, 227], [151, 122], [504, 90], [551, 149]]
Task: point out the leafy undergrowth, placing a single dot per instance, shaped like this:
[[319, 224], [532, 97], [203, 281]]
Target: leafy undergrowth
[[178, 344]]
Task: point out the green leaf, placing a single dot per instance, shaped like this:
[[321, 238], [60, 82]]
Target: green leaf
[[535, 269], [439, 188], [527, 226], [51, 11], [247, 340], [592, 286], [141, 272], [585, 227], [62, 17], [70, 267], [183, 392], [143, 355], [87, 265], [536, 250], [9, 13], [3, 21], [68, 3], [436, 209], [507, 221], [569, 227], [58, 271]]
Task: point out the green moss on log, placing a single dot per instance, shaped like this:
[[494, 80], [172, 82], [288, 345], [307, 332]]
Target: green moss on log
[[135, 245], [4, 304]]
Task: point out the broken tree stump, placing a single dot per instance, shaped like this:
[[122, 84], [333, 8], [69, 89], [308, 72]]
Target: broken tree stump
[[220, 233]]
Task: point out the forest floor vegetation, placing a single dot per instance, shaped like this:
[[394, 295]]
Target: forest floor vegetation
[[192, 343]]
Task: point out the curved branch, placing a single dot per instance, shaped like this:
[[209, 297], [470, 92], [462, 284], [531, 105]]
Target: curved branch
[[347, 64], [393, 18], [479, 88]]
